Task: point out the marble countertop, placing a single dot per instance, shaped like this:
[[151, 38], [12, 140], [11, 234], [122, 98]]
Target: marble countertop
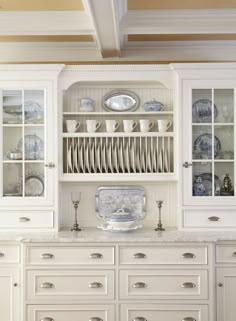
[[139, 236]]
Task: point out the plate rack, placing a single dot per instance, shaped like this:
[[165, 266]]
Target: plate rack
[[118, 154]]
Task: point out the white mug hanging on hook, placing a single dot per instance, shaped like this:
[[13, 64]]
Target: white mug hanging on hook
[[86, 104]]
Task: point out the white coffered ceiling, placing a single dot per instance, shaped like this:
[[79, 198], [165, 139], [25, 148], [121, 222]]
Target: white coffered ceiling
[[90, 31]]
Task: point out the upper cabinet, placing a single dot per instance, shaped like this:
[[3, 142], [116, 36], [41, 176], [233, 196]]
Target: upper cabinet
[[118, 123]]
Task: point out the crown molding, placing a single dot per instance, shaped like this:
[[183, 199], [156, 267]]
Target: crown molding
[[171, 51], [180, 22], [45, 23]]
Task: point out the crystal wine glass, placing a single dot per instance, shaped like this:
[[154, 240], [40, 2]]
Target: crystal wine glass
[[75, 198]]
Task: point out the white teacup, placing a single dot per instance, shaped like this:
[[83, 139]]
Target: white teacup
[[145, 125], [112, 125], [163, 124], [129, 125], [72, 125], [92, 125]]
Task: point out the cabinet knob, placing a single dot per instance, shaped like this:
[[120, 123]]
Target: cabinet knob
[[188, 285], [95, 285], [140, 256], [24, 219], [234, 254], [47, 285], [2, 254], [187, 164], [50, 165], [46, 256], [220, 285], [139, 285], [15, 284], [213, 218], [47, 319], [95, 256], [139, 319], [188, 255], [95, 319], [189, 319]]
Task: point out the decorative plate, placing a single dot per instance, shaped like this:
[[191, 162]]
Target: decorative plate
[[120, 101], [202, 185], [33, 111], [34, 184], [34, 147], [202, 111], [109, 198], [203, 146]]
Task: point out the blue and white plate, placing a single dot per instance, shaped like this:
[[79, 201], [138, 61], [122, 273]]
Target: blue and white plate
[[203, 146], [202, 185], [202, 111], [33, 147]]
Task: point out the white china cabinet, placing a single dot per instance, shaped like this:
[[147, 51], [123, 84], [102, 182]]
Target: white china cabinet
[[28, 139], [115, 96], [208, 143]]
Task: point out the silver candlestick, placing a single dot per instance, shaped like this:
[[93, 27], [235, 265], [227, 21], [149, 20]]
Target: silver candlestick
[[75, 197], [159, 225]]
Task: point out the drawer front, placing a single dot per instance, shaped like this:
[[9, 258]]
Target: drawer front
[[154, 312], [70, 313], [163, 255], [26, 219], [164, 284], [70, 285], [62, 255], [210, 219], [226, 253], [9, 254]]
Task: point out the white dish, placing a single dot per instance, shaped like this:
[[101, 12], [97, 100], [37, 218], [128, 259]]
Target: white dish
[[160, 161], [127, 152], [132, 157], [81, 157], [142, 157], [109, 228], [114, 156], [166, 163], [69, 158], [104, 159], [121, 159], [92, 160], [87, 160], [109, 157], [75, 157], [154, 160], [98, 157], [149, 162]]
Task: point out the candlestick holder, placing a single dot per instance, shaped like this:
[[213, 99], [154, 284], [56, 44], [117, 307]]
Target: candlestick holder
[[75, 197], [159, 225]]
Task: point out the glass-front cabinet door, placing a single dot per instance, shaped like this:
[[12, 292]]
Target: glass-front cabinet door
[[208, 162], [25, 147]]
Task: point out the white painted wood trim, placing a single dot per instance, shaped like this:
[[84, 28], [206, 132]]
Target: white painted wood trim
[[45, 23], [180, 21]]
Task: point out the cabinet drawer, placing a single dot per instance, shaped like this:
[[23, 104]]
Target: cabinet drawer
[[65, 255], [164, 284], [154, 312], [226, 253], [26, 219], [70, 313], [210, 219], [9, 253], [163, 255], [70, 285]]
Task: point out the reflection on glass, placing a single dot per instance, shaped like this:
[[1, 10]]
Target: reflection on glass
[[34, 180], [224, 100], [11, 179], [12, 106], [33, 106]]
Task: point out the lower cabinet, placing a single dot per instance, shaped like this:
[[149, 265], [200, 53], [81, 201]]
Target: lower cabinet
[[70, 313], [155, 312], [9, 294]]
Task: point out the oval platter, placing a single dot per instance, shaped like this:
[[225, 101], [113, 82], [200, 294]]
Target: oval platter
[[120, 101]]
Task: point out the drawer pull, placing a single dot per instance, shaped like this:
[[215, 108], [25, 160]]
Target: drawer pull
[[139, 319], [189, 319], [24, 219], [234, 254], [214, 219], [95, 285], [96, 256], [46, 256], [188, 285], [95, 319], [140, 256], [1, 254], [47, 319], [188, 255], [47, 285], [139, 285]]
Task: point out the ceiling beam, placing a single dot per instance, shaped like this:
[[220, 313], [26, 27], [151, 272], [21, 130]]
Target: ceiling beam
[[45, 23], [106, 16], [180, 22]]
